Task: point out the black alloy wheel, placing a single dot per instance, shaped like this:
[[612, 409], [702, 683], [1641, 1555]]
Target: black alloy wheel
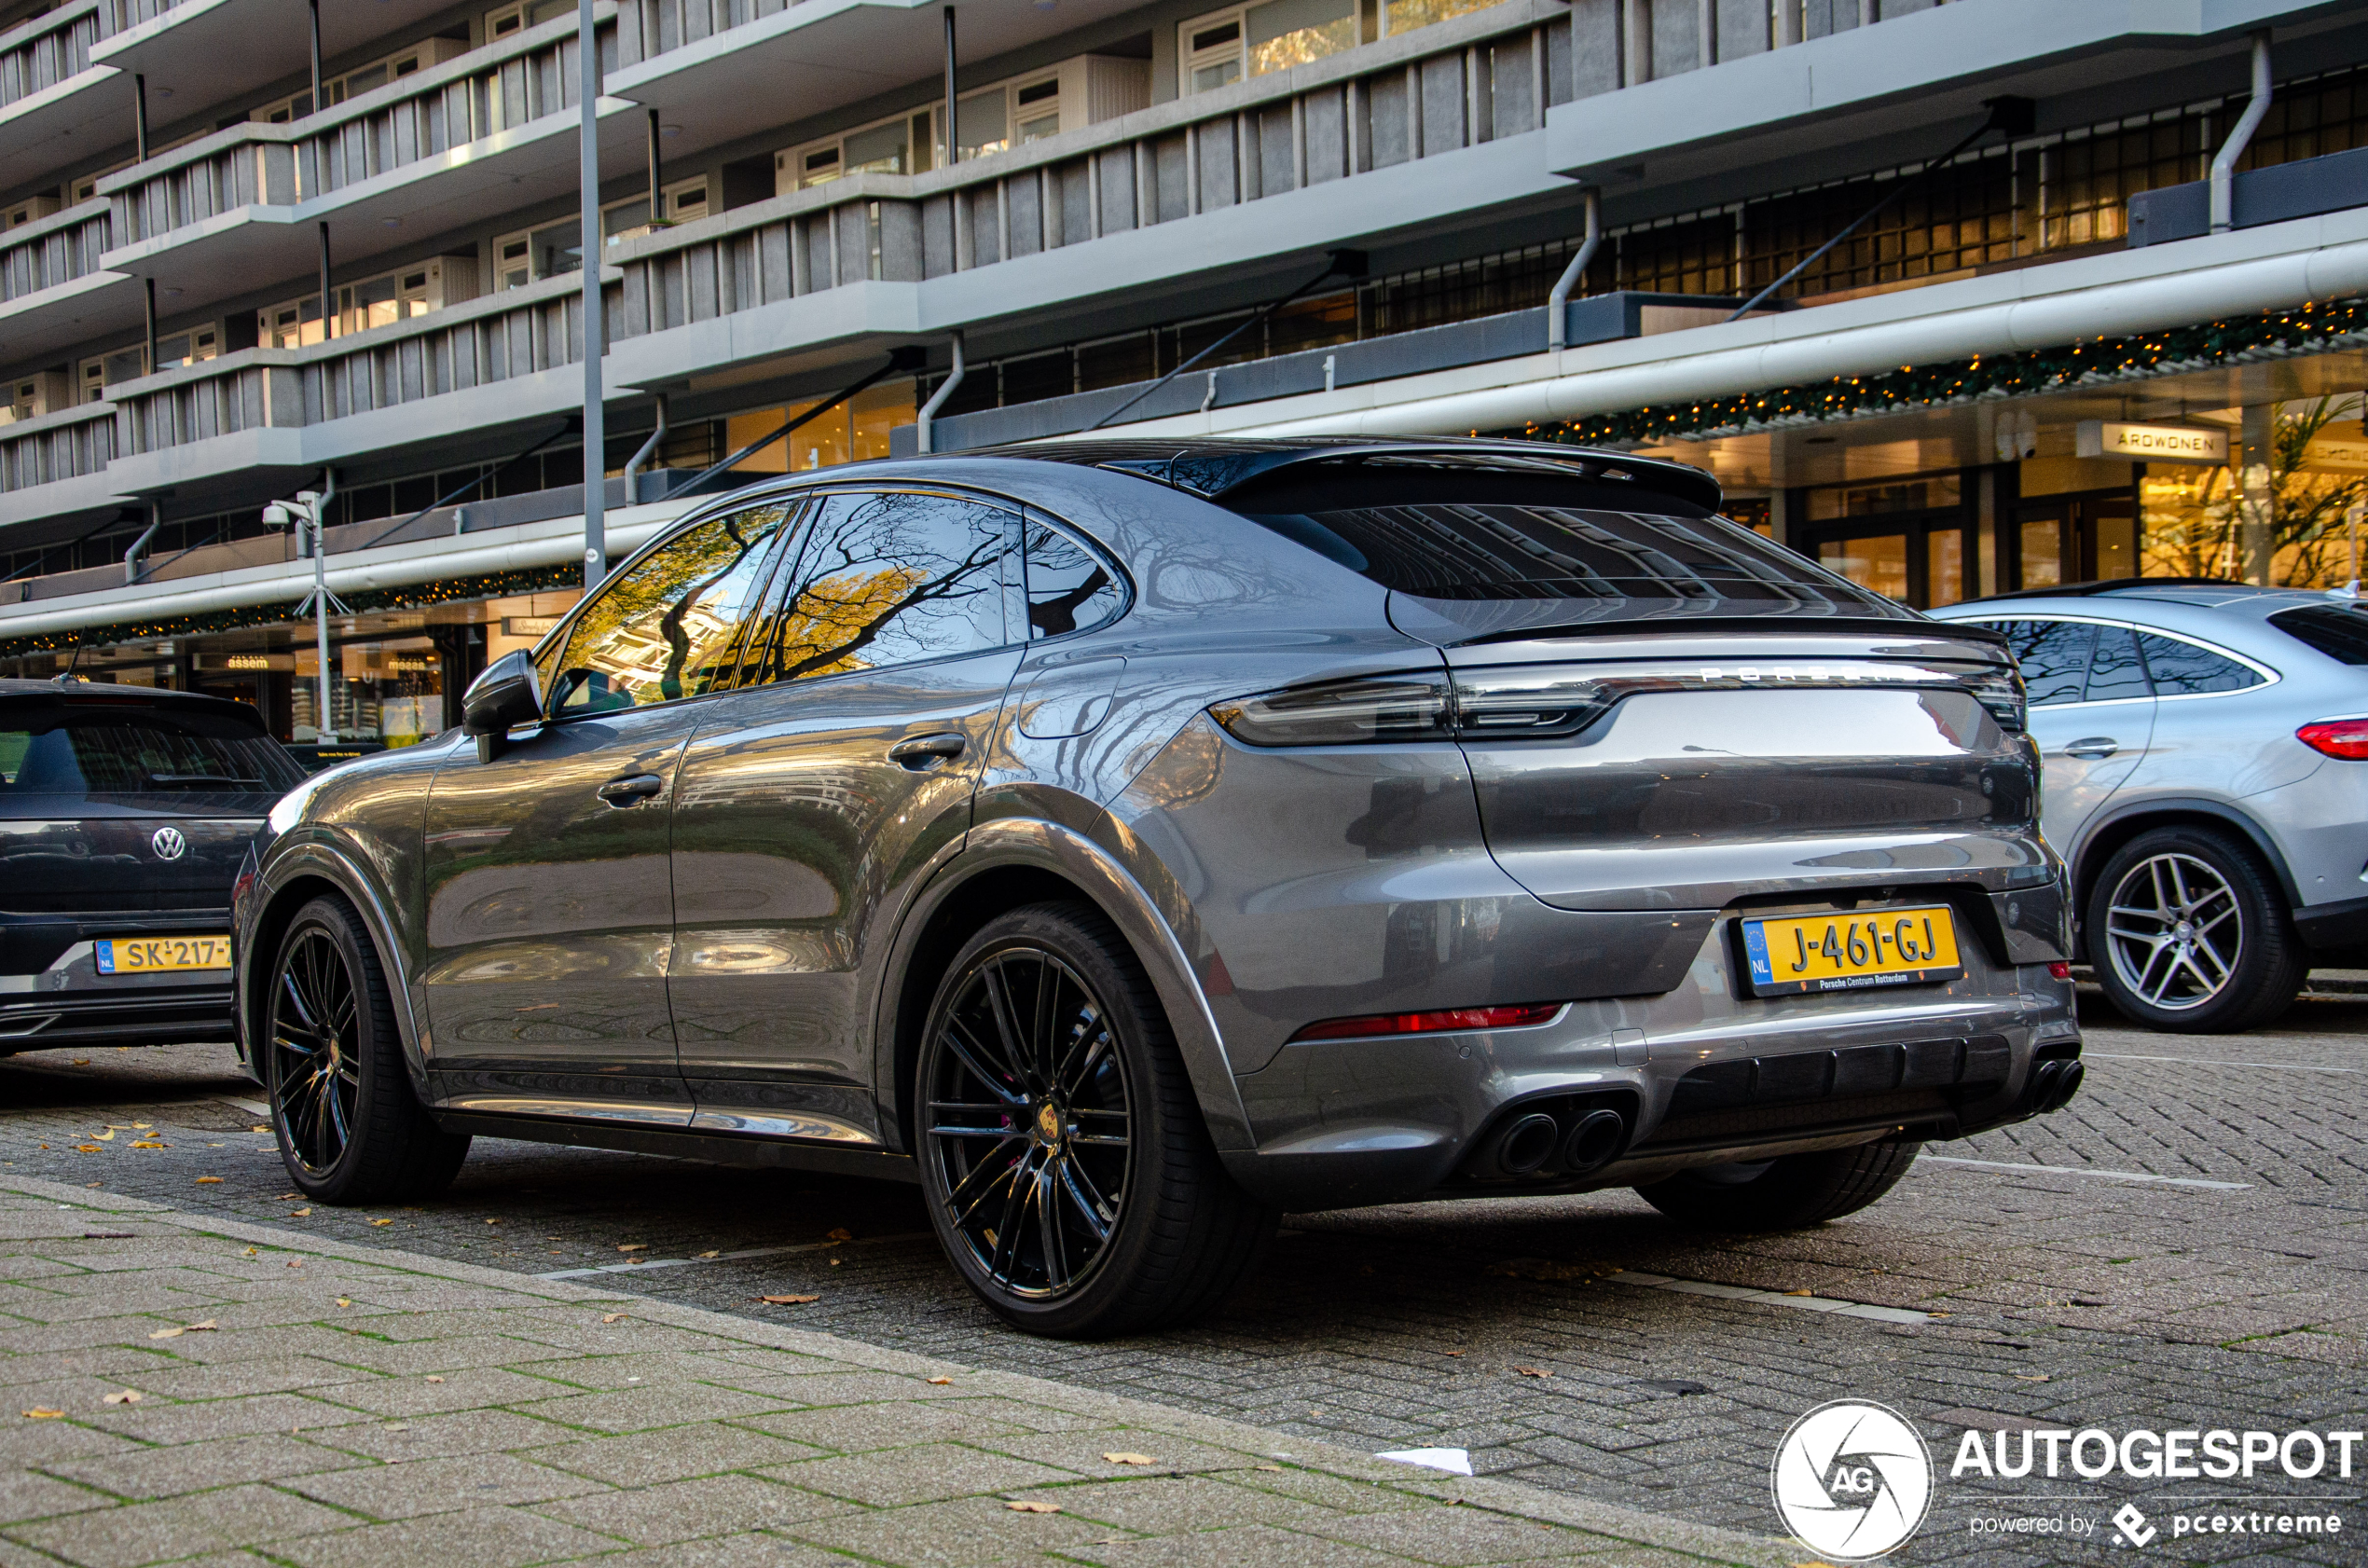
[[351, 1129], [315, 1043], [1069, 1175]]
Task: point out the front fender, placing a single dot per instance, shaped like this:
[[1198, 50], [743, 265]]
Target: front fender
[[288, 866], [1037, 844]]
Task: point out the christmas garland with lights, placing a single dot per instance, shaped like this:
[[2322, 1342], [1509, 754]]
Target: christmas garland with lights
[[418, 595], [2312, 328]]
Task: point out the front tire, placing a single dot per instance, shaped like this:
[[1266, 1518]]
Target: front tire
[[350, 1130], [2188, 933], [1790, 1192], [1067, 1171]]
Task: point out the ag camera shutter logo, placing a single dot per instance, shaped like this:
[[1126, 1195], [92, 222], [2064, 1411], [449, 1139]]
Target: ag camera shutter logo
[[1852, 1479]]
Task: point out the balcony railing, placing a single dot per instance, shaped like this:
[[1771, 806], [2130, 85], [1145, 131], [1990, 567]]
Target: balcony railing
[[422, 116], [57, 249], [50, 49], [57, 447]]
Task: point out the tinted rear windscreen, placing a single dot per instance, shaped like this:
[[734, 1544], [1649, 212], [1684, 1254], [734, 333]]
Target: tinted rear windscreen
[[2339, 634], [1483, 536], [51, 750]]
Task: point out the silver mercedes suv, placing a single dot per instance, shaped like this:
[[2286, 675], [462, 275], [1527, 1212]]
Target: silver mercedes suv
[[1132, 841], [2207, 755]]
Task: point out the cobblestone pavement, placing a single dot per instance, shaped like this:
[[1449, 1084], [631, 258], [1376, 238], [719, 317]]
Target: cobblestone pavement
[[2229, 1295], [436, 1412]]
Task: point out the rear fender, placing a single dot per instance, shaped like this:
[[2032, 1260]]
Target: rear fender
[[1037, 844]]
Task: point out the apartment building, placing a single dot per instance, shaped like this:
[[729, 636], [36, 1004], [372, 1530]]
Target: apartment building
[[1949, 295]]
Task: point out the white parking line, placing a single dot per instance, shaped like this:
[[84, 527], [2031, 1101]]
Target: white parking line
[[1769, 1297], [2207, 1062], [2087, 1171], [732, 1257], [252, 1107]]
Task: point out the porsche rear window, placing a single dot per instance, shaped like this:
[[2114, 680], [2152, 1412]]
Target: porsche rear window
[[1503, 537], [2339, 634]]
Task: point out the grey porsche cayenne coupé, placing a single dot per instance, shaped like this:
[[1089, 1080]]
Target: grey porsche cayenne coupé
[[1132, 842]]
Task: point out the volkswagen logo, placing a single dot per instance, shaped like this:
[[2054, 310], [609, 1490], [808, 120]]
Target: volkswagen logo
[[169, 844]]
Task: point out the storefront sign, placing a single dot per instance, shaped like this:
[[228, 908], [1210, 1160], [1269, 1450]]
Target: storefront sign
[[528, 626], [2101, 438], [2327, 455]]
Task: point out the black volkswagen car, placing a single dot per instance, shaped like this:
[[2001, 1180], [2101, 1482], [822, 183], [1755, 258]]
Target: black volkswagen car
[[124, 813]]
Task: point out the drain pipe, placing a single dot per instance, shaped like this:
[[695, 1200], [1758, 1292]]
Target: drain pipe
[[633, 464], [1558, 302], [140, 546], [925, 422], [2223, 163]]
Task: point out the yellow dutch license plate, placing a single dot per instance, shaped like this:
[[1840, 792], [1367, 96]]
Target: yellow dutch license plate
[[156, 955], [1853, 952]]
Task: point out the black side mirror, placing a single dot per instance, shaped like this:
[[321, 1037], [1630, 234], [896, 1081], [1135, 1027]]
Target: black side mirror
[[508, 694]]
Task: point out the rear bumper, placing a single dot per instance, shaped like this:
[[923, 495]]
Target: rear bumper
[[69, 1003], [1705, 1075]]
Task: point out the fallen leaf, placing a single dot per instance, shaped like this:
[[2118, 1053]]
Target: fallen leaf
[[168, 1333], [613, 1317], [345, 1300], [296, 1263], [1532, 1371], [299, 1214], [493, 1222], [205, 1328], [82, 1061], [715, 1253], [139, 1126], [258, 1129], [84, 1148], [941, 1383], [1278, 1468], [631, 1246], [1029, 1506], [108, 1136], [841, 1234], [383, 1223], [209, 1181], [398, 1426], [2032, 1377], [149, 1143], [289, 1197], [1936, 1314], [1454, 1352], [1125, 1458], [42, 1412], [124, 1396], [1800, 1293], [433, 1378], [785, 1301], [248, 1253]]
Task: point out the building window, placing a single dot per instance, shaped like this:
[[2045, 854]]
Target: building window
[[1228, 45], [900, 146], [380, 301], [403, 63], [509, 19]]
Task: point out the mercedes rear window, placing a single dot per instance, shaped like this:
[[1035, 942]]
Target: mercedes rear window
[[2339, 633], [1467, 535], [48, 749]]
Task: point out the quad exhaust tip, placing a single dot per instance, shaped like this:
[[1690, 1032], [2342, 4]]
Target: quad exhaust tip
[[1536, 1143], [2053, 1084]]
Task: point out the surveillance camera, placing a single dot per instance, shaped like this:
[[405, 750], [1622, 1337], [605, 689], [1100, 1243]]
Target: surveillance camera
[[276, 516]]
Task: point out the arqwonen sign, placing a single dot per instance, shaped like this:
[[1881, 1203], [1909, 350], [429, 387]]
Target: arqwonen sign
[[2102, 438]]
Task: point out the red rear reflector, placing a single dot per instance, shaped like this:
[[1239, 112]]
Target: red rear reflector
[[2347, 738], [1430, 1022], [2060, 971]]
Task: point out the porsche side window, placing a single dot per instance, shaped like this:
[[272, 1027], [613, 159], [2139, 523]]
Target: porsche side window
[[670, 625], [887, 578], [1067, 588]]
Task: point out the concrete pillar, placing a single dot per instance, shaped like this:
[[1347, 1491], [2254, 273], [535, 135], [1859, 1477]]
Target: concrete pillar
[[1985, 530], [2255, 504]]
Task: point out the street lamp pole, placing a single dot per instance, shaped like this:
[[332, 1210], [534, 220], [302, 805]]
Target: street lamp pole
[[596, 547]]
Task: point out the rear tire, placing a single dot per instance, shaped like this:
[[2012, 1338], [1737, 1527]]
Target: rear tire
[[350, 1130], [1067, 1171], [1786, 1193], [2188, 932]]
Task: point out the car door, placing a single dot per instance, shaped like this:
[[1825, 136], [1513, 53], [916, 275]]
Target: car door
[[2202, 744], [812, 797], [2091, 712], [549, 895]]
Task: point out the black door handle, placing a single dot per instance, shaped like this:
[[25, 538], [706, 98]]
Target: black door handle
[[925, 751], [631, 790]]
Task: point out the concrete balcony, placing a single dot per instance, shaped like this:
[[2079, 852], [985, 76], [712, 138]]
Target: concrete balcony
[[469, 140], [62, 457], [54, 293], [56, 102]]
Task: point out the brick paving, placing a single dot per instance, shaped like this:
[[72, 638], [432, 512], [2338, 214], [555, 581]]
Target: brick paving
[[2068, 1300], [190, 1388]]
